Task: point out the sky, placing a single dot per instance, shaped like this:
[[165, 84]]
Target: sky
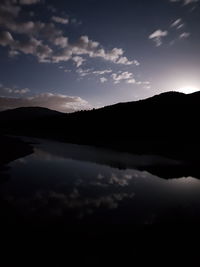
[[82, 54]]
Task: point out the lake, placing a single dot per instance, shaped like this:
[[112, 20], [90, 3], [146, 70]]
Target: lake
[[64, 184]]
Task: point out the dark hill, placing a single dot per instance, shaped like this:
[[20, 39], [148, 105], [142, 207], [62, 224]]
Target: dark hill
[[27, 113], [163, 124]]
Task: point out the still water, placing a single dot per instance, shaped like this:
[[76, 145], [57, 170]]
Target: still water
[[66, 183]]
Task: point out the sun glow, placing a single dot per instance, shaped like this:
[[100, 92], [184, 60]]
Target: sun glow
[[188, 89]]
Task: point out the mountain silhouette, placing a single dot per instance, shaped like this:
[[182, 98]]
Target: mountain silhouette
[[27, 113], [165, 124]]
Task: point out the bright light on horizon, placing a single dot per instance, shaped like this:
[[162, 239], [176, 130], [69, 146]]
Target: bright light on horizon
[[188, 89]]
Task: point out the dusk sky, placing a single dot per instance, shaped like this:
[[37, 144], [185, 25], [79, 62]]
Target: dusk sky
[[80, 54]]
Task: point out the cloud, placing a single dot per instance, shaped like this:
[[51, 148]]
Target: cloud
[[21, 91], [5, 38], [62, 103], [27, 46], [178, 24], [13, 53], [103, 79], [61, 56], [123, 76], [47, 42], [13, 90], [184, 35], [122, 181], [28, 2], [75, 22], [61, 41], [117, 77], [78, 60], [60, 20], [30, 29], [145, 84], [8, 11], [102, 72], [84, 72], [66, 70], [131, 81], [86, 47], [4, 90], [125, 61], [33, 47], [115, 56], [185, 2], [157, 36], [137, 63]]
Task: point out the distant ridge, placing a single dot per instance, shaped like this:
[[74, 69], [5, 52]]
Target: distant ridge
[[27, 113]]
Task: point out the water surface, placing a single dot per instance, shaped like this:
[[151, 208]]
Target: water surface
[[66, 183]]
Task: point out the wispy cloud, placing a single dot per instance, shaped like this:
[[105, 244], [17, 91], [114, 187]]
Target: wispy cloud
[[28, 2], [84, 72], [157, 36], [102, 72], [60, 20], [131, 81], [184, 35], [185, 2], [178, 24], [13, 90], [122, 76]]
